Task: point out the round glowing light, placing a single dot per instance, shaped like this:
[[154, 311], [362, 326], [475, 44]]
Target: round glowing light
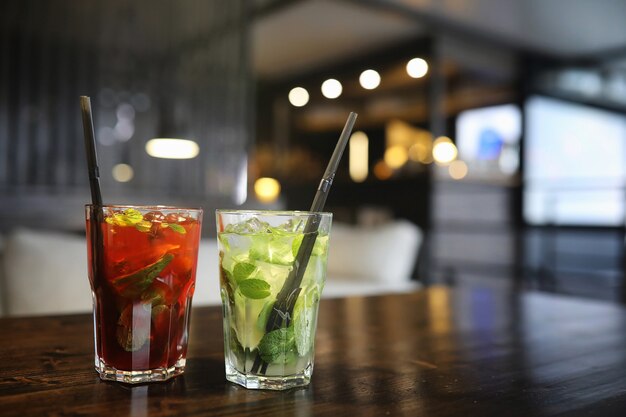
[[298, 96], [369, 79], [457, 170], [267, 189], [123, 173], [331, 88], [382, 171], [172, 148], [417, 68], [396, 156], [420, 152], [444, 151]]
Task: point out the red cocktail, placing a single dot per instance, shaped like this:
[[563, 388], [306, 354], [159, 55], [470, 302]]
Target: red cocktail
[[142, 273]]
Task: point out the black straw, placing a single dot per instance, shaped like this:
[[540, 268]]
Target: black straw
[[90, 148], [329, 175], [286, 298]]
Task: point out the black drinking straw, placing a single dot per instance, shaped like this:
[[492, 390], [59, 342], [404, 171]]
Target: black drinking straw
[[90, 148], [286, 298], [95, 212]]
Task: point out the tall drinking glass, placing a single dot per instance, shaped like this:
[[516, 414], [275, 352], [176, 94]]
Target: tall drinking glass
[[270, 311], [142, 270]]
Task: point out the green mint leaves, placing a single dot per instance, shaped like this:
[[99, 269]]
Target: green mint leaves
[[256, 289], [133, 285], [133, 325], [278, 346], [177, 228], [133, 217], [253, 288], [129, 217], [242, 270], [144, 226], [282, 345]]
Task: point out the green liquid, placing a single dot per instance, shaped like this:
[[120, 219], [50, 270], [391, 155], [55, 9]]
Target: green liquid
[[254, 267]]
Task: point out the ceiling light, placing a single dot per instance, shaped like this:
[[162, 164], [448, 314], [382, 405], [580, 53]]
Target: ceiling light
[[331, 88], [358, 158], [417, 68], [369, 79], [172, 148], [298, 96]]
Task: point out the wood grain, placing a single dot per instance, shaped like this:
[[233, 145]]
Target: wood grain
[[442, 352]]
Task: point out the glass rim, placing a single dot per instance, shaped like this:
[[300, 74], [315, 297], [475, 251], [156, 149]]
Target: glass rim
[[283, 213], [144, 207]]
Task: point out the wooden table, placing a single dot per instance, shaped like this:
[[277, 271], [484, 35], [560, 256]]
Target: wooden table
[[437, 352]]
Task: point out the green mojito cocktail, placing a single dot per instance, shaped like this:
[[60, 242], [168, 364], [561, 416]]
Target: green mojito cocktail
[[272, 272]]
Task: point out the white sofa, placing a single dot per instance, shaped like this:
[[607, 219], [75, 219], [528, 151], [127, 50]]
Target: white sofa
[[46, 273]]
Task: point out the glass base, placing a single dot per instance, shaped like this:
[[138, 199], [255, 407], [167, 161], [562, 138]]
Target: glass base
[[277, 383], [109, 373]]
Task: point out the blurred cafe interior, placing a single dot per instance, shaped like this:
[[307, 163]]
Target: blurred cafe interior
[[489, 151]]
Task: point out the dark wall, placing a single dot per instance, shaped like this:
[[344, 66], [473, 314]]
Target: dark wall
[[152, 68]]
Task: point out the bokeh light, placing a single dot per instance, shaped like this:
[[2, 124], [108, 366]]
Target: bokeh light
[[369, 79], [331, 88], [421, 152], [382, 171], [123, 173], [444, 151], [298, 97], [396, 156], [458, 169], [417, 68], [267, 189], [170, 148]]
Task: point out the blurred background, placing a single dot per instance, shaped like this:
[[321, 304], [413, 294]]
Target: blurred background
[[498, 127]]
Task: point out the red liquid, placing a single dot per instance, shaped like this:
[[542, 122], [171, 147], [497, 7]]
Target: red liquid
[[142, 319]]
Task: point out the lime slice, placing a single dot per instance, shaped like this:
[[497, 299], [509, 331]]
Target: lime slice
[[304, 321]]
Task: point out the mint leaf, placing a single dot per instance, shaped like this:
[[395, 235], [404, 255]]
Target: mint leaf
[[256, 289], [132, 285], [277, 346], [132, 216], [129, 217], [177, 228], [243, 270], [144, 226]]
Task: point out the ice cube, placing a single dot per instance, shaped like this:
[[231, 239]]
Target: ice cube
[[253, 225], [154, 216], [291, 226]]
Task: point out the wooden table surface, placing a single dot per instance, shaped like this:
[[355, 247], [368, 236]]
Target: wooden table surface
[[437, 352]]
